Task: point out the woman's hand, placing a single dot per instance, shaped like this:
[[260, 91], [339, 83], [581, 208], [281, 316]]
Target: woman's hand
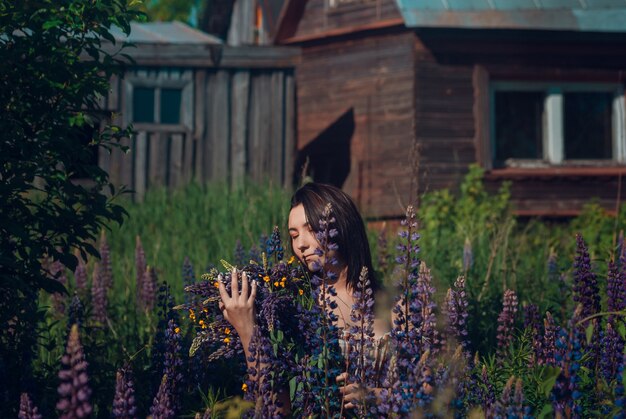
[[238, 308], [351, 394]]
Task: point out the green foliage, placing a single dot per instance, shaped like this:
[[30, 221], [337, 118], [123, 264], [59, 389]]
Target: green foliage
[[169, 10], [200, 222], [53, 73]]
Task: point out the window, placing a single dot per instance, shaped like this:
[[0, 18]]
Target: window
[[535, 124], [156, 105], [159, 99]]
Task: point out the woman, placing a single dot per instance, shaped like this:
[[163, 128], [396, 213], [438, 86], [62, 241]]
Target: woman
[[307, 206]]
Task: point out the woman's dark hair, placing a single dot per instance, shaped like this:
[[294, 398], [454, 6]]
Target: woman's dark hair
[[354, 248]]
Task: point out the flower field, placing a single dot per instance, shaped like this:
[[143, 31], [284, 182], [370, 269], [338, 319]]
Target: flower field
[[493, 316]]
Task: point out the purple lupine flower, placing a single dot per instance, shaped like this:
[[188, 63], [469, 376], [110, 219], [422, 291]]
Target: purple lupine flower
[[620, 389], [431, 338], [124, 404], [612, 346], [585, 286], [409, 322], [487, 393], [188, 278], [455, 307], [361, 343], [553, 267], [147, 292], [620, 251], [468, 255], [615, 290], [239, 255], [76, 314], [274, 246], [140, 264], [106, 270], [27, 409], [98, 296], [162, 404], [80, 276], [506, 321], [533, 326], [74, 391], [566, 394], [57, 271], [511, 404], [546, 350]]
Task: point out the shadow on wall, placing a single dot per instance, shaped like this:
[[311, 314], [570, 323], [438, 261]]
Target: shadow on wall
[[326, 159]]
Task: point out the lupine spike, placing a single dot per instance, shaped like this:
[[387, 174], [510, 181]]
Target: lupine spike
[[27, 409], [106, 270], [585, 286], [98, 296], [506, 321], [80, 276], [74, 391], [188, 277], [162, 404], [124, 404], [455, 306], [147, 293], [615, 290], [548, 343], [274, 246]]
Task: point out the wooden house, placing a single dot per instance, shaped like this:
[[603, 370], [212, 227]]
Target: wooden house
[[396, 98], [202, 109]]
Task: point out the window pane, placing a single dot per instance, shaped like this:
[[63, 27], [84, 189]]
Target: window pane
[[143, 104], [170, 106], [518, 126], [587, 125]]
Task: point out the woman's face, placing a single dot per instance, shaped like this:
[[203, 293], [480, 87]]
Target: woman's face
[[303, 240]]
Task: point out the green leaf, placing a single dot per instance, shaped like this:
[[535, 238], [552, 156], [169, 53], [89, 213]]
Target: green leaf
[[51, 24], [545, 411], [589, 332], [549, 376]]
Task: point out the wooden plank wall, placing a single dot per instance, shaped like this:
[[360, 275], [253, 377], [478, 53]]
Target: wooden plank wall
[[238, 124], [374, 76], [444, 120], [319, 18]]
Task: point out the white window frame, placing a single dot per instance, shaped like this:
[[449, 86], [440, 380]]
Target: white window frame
[[553, 124]]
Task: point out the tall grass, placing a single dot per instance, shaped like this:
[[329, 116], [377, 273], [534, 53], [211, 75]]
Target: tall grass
[[200, 222]]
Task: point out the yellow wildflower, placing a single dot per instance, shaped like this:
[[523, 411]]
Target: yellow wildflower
[[266, 278], [226, 340], [177, 330], [276, 283], [300, 292], [291, 260], [282, 284], [244, 387], [227, 331]]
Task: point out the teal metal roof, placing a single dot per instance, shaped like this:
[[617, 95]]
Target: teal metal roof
[[571, 15], [164, 33]]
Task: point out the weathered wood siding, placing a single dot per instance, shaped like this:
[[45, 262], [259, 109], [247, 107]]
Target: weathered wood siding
[[374, 76], [238, 123], [444, 121], [319, 18], [452, 113]]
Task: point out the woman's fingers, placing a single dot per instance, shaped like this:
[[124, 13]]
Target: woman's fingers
[[222, 288], [341, 377], [252, 293], [244, 287], [234, 284]]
